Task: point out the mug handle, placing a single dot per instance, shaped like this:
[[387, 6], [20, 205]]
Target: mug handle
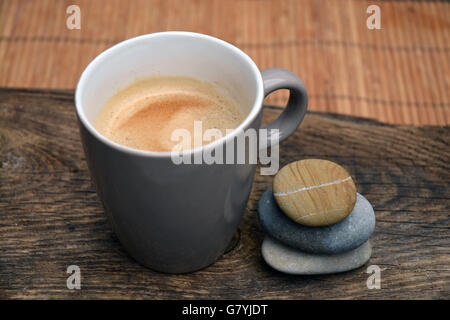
[[288, 121]]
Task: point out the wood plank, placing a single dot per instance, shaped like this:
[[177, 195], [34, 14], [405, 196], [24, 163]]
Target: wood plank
[[50, 216]]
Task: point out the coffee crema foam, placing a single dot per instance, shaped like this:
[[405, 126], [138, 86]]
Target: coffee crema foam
[[144, 114]]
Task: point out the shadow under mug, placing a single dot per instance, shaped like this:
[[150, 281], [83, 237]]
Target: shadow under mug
[[177, 218]]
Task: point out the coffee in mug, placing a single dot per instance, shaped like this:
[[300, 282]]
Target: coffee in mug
[[176, 217], [144, 114]]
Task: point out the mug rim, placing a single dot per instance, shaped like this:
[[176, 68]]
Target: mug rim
[[87, 72]]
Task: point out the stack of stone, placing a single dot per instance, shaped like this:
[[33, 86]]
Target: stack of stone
[[315, 221]]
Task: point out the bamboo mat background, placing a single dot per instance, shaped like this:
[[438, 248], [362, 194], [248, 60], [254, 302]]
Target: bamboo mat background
[[399, 74]]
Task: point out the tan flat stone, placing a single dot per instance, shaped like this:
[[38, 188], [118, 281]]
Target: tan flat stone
[[314, 192]]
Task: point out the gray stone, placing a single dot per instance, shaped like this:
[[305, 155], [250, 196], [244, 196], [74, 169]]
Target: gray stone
[[289, 260], [343, 236]]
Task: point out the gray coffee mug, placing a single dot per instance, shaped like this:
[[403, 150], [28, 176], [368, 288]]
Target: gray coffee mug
[[177, 218]]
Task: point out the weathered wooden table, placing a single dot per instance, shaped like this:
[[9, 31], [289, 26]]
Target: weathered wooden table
[[50, 216]]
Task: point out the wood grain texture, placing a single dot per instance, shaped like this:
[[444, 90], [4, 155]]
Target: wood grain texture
[[50, 216], [398, 74]]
